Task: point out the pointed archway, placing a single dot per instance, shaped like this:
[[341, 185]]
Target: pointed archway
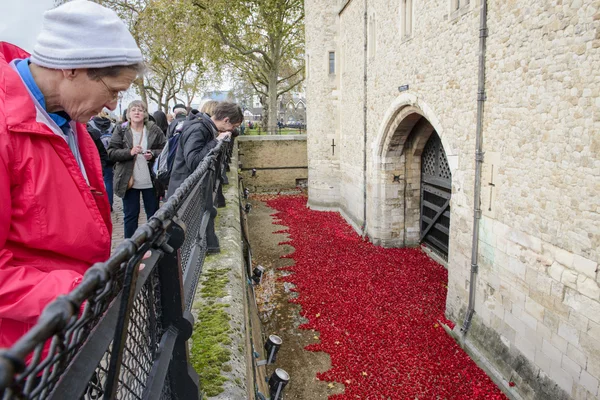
[[399, 216]]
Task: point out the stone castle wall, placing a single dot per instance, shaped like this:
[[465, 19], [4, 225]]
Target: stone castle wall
[[537, 302], [280, 161]]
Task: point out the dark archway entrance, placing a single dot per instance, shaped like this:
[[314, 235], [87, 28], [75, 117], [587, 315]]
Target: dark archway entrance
[[395, 194], [436, 190]]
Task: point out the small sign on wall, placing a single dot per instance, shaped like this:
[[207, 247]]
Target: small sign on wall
[[403, 88]]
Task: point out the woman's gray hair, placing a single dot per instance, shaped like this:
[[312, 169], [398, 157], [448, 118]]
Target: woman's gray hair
[[142, 105]]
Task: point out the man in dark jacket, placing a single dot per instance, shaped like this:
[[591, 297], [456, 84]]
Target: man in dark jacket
[[198, 136], [100, 128], [180, 116]]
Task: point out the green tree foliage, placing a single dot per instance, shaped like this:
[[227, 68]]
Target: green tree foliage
[[263, 41], [169, 33]]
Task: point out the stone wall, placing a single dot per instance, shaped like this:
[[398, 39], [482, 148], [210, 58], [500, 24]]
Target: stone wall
[[280, 161], [537, 296], [323, 120]]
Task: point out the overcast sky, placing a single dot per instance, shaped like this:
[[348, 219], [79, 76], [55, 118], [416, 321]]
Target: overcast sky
[[21, 21]]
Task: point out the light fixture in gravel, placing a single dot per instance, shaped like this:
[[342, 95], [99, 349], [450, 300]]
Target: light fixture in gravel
[[277, 382], [257, 274]]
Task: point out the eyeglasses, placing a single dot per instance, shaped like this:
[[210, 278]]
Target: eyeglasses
[[114, 94]]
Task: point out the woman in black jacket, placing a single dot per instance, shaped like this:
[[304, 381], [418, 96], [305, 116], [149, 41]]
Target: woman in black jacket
[[100, 128], [161, 120]]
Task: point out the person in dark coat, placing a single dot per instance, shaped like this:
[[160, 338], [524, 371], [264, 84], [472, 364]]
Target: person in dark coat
[[100, 128], [181, 114], [200, 134], [161, 120]]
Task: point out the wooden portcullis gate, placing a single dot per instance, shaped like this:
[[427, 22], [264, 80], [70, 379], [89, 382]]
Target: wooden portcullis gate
[[436, 188]]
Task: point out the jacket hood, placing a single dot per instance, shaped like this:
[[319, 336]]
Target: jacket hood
[[203, 119], [102, 123], [11, 52]]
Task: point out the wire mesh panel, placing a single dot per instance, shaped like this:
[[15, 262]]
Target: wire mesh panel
[[69, 352], [143, 335], [192, 218], [195, 277]]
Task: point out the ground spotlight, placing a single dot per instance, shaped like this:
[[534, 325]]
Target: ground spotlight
[[248, 207], [253, 171], [246, 193], [257, 274], [272, 346], [277, 382]]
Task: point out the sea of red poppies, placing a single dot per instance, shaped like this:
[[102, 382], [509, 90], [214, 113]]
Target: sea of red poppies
[[378, 312]]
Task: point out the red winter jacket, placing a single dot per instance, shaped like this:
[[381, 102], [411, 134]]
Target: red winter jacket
[[53, 225]]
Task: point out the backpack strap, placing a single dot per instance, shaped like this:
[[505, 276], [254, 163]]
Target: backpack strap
[[93, 125]]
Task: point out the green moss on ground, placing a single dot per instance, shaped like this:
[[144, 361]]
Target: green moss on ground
[[211, 334]]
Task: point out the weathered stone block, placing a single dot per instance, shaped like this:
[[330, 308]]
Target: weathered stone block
[[583, 305], [564, 257], [517, 268], [559, 343], [525, 240], [534, 308], [589, 382], [569, 333], [558, 290], [593, 329], [588, 286], [591, 347], [575, 354], [578, 321], [569, 278], [555, 271], [585, 266], [552, 352], [571, 367], [525, 346], [561, 377], [542, 360]]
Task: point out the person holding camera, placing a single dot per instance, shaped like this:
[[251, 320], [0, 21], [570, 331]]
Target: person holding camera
[[133, 148]]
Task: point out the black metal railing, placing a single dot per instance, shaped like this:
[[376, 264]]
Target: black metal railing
[[122, 332]]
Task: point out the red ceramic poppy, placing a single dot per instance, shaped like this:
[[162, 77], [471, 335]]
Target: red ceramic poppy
[[378, 312]]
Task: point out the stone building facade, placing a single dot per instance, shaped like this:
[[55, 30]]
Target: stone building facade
[[385, 78]]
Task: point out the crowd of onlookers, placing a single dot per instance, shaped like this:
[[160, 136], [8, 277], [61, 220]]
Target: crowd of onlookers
[[128, 150], [58, 178]]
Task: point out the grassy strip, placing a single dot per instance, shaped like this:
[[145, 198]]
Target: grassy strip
[[211, 334]]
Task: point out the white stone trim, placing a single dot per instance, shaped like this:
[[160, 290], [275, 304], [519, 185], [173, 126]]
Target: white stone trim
[[389, 124]]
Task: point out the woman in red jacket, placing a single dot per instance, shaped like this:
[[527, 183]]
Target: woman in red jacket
[[54, 213]]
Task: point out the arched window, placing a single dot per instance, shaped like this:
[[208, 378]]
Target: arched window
[[458, 4], [331, 62], [372, 37], [406, 21]]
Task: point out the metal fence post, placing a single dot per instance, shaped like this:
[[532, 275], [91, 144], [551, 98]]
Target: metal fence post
[[210, 212], [182, 379]]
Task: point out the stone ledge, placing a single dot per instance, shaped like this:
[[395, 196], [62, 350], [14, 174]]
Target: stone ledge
[[230, 260], [263, 138]]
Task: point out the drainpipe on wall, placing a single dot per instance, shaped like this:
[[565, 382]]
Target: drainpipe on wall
[[483, 33], [364, 227]]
